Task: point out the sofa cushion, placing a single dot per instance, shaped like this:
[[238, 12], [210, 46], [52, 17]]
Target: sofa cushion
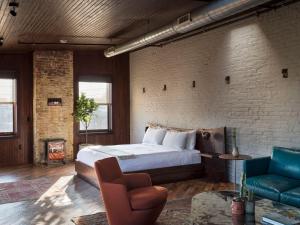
[[285, 162], [291, 197], [270, 186], [147, 197]]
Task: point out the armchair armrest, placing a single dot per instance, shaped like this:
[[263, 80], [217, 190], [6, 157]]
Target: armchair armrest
[[256, 167], [137, 180]]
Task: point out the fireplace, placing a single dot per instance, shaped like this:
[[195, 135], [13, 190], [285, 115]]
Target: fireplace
[[54, 150]]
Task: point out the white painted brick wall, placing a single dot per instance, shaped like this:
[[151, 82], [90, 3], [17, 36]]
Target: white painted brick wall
[[259, 102]]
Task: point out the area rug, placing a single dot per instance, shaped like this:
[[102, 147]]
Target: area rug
[[176, 212], [24, 190]]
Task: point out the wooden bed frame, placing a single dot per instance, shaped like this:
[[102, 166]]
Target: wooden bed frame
[[211, 142]]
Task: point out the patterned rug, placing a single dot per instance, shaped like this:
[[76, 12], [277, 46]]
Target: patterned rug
[[176, 212], [27, 190]]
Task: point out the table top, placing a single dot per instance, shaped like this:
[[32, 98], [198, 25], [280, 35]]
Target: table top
[[231, 157], [215, 208]]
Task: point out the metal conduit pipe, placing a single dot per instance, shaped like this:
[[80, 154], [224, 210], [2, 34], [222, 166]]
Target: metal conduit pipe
[[213, 12]]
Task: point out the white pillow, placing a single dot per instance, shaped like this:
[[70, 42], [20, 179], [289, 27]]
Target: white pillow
[[154, 136], [175, 139], [191, 140]]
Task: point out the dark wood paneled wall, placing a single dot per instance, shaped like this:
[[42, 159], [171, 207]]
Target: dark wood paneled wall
[[93, 63], [18, 149]]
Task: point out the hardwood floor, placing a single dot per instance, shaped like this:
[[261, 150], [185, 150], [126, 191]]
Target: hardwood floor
[[75, 197]]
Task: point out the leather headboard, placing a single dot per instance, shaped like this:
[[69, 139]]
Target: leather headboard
[[210, 141]]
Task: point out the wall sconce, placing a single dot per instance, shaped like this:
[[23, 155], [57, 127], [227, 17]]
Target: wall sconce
[[285, 73], [194, 84], [13, 6], [165, 87], [144, 90], [1, 41], [227, 79]]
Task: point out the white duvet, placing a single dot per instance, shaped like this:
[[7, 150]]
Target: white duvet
[[134, 157]]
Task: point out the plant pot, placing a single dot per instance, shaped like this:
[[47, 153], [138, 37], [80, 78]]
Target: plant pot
[[250, 207], [238, 219], [237, 206]]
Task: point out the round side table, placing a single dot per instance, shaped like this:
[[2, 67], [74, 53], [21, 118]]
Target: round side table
[[231, 157]]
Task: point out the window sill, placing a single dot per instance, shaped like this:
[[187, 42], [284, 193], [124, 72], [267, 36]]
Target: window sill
[[8, 136], [96, 132]]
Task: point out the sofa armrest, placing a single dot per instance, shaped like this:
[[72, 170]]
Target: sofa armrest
[[256, 167], [137, 180]]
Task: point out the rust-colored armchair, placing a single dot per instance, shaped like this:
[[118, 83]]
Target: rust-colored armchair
[[129, 199]]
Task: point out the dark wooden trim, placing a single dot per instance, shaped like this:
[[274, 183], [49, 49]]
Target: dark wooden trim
[[176, 173], [17, 149], [8, 74], [94, 132], [9, 136], [99, 131], [158, 176], [63, 44], [105, 78]]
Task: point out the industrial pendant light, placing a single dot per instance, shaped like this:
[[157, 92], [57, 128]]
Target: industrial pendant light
[[14, 5]]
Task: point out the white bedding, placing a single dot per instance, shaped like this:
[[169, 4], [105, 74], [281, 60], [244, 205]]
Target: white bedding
[[142, 156]]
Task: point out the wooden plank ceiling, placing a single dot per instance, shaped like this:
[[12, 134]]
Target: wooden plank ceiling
[[96, 24]]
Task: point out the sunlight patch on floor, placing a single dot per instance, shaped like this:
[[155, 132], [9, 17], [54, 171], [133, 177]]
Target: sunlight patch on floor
[[56, 195]]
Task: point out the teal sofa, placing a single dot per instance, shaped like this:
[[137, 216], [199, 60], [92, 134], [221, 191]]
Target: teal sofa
[[276, 177]]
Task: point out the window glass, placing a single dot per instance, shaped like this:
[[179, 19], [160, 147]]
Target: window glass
[[7, 106], [101, 93]]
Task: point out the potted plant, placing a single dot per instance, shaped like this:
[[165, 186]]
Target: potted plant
[[248, 195], [84, 111], [243, 189]]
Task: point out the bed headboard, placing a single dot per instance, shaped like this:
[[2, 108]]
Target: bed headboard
[[211, 141], [208, 141]]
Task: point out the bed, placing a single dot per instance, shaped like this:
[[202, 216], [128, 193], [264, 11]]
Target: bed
[[137, 157], [164, 164]]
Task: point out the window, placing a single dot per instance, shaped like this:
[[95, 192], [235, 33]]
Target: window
[[101, 93], [8, 106]]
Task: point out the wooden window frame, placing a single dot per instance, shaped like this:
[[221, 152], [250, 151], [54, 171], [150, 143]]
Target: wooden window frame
[[109, 112], [14, 133]]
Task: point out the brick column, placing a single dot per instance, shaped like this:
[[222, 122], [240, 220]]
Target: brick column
[[53, 78]]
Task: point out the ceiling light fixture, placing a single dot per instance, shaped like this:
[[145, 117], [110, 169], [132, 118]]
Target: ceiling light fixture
[[63, 41], [14, 5], [13, 12]]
